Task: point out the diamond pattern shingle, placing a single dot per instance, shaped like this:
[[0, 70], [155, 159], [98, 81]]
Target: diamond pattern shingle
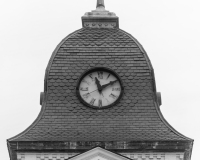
[[134, 118]]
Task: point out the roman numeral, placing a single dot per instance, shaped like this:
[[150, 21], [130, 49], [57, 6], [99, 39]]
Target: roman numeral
[[116, 89], [100, 75], [84, 89], [92, 101], [90, 75], [84, 81], [108, 76], [85, 96], [113, 96], [100, 103]]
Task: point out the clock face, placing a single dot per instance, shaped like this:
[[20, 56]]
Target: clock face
[[99, 89]]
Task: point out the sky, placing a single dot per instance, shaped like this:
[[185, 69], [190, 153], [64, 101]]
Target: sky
[[168, 30]]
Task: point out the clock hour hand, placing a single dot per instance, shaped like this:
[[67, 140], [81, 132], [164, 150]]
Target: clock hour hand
[[98, 84], [108, 84]]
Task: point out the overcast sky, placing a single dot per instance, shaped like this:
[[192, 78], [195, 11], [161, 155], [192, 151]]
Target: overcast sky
[[169, 31]]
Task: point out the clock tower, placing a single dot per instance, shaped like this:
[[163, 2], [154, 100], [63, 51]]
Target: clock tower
[[100, 101]]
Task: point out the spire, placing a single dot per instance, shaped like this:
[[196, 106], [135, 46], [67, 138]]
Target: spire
[[100, 18], [100, 4]]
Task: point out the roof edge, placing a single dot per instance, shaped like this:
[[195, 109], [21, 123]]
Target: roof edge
[[31, 126], [55, 52], [154, 85], [44, 104], [140, 47], [168, 125], [147, 60]]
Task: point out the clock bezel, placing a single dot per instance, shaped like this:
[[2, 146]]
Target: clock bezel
[[96, 69]]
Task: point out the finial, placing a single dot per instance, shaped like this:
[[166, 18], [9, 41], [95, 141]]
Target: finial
[[100, 4], [100, 18]]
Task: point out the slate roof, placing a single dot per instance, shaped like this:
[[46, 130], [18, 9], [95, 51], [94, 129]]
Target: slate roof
[[136, 117]]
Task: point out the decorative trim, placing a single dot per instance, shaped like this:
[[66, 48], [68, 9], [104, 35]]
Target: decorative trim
[[159, 99], [98, 151], [103, 154], [152, 146], [100, 155], [100, 24]]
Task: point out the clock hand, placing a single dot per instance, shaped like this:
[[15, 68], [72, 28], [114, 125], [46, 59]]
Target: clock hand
[[98, 84], [87, 94], [93, 91], [106, 85]]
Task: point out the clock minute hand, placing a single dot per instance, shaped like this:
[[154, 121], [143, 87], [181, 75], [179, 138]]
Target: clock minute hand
[[110, 83], [99, 87]]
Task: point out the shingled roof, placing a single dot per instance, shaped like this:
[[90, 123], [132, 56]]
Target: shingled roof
[[65, 124], [64, 118]]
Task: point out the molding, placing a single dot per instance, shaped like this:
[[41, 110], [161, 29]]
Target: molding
[[100, 24], [102, 154], [79, 146], [98, 151]]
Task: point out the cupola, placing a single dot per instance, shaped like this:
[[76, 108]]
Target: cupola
[[100, 92]]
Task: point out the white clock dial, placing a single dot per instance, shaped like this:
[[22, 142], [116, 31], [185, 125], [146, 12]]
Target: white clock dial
[[99, 89]]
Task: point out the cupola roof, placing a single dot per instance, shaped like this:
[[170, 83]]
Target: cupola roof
[[65, 118], [66, 123]]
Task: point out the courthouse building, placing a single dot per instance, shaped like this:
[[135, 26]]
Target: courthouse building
[[100, 101]]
